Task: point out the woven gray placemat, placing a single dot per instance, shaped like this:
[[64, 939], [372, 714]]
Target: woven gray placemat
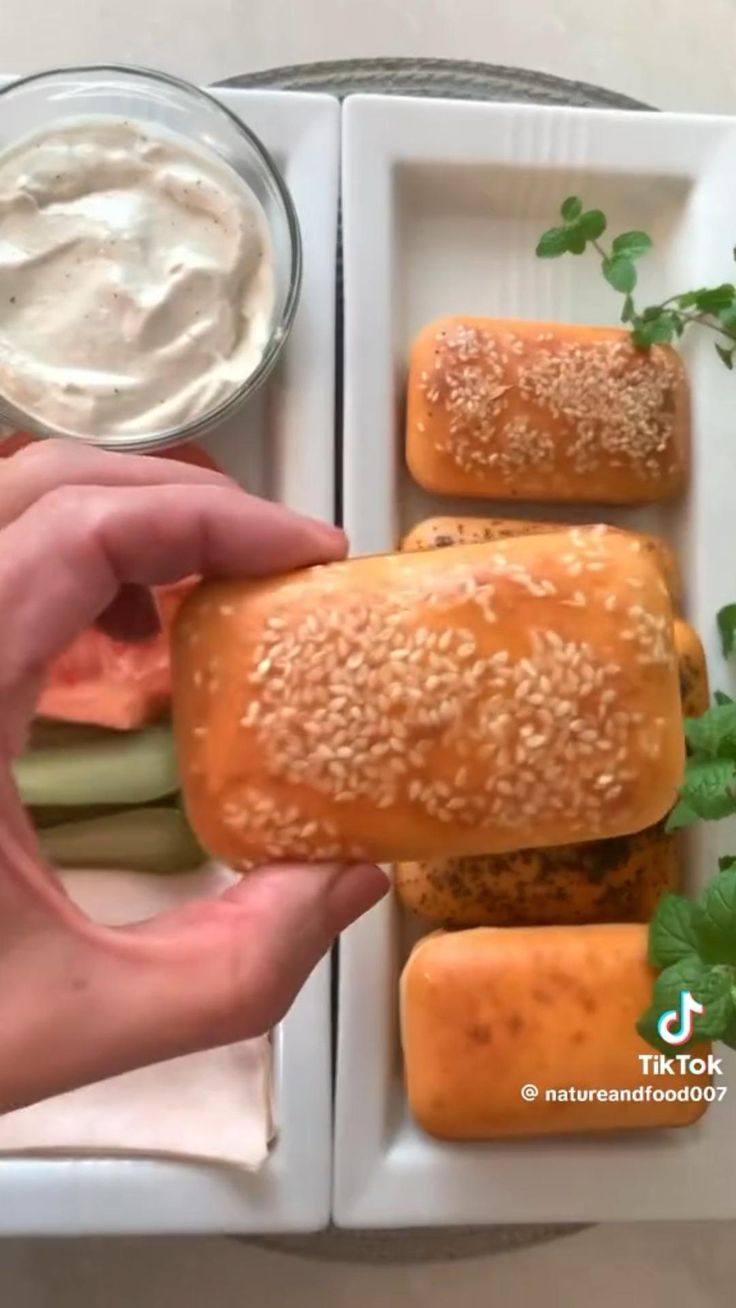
[[445, 79]]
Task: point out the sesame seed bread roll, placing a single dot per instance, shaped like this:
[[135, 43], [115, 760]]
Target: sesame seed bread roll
[[471, 700], [486, 1012], [506, 409], [620, 880], [434, 533]]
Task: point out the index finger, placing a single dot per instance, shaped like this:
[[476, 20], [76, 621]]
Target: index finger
[[65, 558], [43, 465]]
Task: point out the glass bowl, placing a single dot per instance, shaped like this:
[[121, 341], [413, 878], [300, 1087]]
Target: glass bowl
[[34, 103]]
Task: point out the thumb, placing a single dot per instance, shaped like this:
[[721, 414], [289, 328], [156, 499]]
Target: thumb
[[84, 1002], [211, 973], [240, 960]]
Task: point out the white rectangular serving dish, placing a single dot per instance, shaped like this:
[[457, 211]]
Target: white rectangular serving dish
[[442, 206], [283, 447]]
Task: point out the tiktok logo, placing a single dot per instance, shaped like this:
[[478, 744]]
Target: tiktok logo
[[675, 1026]]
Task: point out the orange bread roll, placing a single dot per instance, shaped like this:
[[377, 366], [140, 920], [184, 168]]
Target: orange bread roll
[[486, 1012], [509, 409], [469, 700], [694, 688], [433, 533], [620, 880]]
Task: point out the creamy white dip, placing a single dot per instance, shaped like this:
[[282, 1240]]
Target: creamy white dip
[[137, 279]]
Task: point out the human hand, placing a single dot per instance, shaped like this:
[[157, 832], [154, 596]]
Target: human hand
[[82, 533]]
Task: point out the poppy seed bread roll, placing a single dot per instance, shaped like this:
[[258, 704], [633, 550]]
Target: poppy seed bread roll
[[469, 700], [435, 533], [486, 1012], [619, 880], [508, 409]]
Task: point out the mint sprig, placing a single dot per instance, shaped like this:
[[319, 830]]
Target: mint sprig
[[708, 791], [693, 942], [726, 618], [712, 307]]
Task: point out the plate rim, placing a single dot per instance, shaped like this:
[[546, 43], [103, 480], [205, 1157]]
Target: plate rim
[[138, 1195], [380, 133]]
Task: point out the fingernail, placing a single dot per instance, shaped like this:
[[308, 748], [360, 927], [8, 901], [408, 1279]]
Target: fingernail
[[335, 536], [373, 868], [356, 887], [345, 869]]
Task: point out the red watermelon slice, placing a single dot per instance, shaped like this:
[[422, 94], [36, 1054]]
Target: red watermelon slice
[[114, 683]]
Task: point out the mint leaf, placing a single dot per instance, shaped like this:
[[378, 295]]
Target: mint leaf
[[717, 919], [575, 240], [711, 299], [721, 697], [632, 244], [641, 335], [673, 321], [592, 224], [712, 986], [716, 992], [647, 1027], [655, 331], [727, 317], [713, 735], [726, 862], [682, 815], [620, 273], [628, 312], [708, 793], [673, 931], [725, 356], [710, 788], [553, 243], [726, 619], [571, 208]]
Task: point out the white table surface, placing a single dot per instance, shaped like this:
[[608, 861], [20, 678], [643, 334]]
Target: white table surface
[[674, 54]]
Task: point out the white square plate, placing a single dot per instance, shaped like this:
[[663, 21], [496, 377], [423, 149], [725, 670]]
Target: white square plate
[[443, 205], [282, 446]]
